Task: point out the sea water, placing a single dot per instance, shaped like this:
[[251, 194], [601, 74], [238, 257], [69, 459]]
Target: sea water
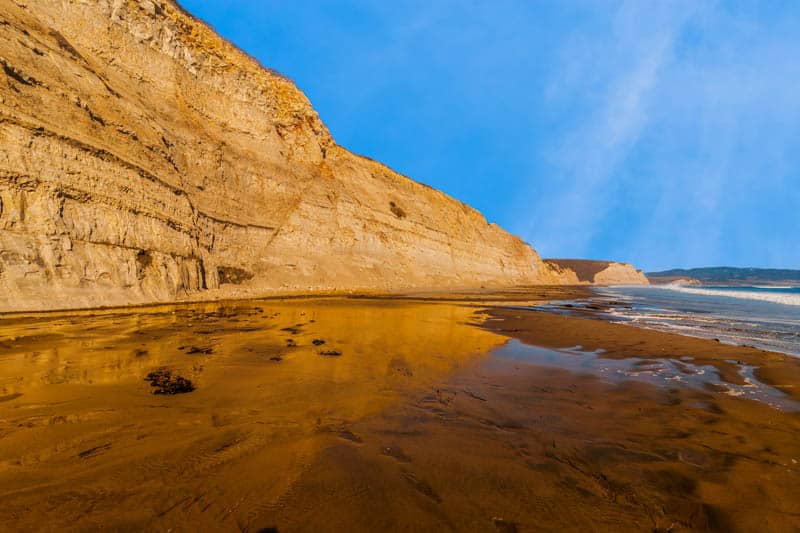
[[766, 317]]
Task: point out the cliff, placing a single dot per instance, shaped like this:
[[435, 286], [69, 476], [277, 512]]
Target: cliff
[[602, 272], [143, 158]]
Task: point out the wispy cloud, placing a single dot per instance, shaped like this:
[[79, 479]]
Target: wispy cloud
[[678, 146], [620, 71]]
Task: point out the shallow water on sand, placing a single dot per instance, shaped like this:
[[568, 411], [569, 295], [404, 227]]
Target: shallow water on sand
[[273, 382], [364, 415], [664, 372]]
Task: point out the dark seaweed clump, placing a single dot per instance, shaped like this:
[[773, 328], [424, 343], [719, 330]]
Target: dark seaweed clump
[[166, 383]]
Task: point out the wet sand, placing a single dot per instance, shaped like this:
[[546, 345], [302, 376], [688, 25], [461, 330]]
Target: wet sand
[[385, 414]]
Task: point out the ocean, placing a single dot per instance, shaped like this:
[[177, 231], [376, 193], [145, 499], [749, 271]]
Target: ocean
[[765, 317]]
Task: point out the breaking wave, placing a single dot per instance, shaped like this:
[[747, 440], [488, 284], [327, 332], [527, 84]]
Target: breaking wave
[[782, 295]]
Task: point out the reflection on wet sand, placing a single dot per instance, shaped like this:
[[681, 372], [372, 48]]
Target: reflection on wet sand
[[375, 415], [85, 443]]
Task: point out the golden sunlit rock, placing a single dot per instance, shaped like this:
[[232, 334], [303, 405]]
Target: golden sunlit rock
[[143, 159]]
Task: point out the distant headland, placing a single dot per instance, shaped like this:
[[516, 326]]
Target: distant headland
[[728, 276]]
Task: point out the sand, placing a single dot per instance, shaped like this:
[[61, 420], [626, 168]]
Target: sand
[[386, 414]]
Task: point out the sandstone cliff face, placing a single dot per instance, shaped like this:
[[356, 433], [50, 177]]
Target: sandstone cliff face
[[143, 158], [602, 272]]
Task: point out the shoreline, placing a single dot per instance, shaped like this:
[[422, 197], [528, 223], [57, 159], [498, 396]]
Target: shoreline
[[368, 414], [549, 329], [581, 326], [701, 319]]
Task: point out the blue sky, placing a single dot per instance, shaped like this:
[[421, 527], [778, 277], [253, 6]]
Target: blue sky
[[662, 133]]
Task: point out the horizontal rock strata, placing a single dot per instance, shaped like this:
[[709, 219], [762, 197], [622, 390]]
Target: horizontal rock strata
[[143, 158]]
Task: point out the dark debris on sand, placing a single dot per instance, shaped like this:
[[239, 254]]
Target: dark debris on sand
[[349, 435], [165, 383], [192, 350], [318, 342], [91, 452], [330, 353]]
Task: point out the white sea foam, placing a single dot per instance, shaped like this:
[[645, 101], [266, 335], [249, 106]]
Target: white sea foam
[[774, 297], [707, 312]]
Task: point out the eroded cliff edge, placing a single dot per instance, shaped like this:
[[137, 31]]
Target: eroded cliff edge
[[143, 158]]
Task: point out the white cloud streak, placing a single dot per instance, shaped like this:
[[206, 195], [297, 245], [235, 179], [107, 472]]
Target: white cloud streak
[[684, 140], [588, 155]]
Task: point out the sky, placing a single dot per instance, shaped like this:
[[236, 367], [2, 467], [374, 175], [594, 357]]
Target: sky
[[662, 133]]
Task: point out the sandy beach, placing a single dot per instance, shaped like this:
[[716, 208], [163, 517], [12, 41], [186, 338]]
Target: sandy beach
[[466, 414]]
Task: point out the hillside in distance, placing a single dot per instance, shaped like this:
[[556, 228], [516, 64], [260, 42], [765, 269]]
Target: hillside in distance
[[730, 275], [602, 272]]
